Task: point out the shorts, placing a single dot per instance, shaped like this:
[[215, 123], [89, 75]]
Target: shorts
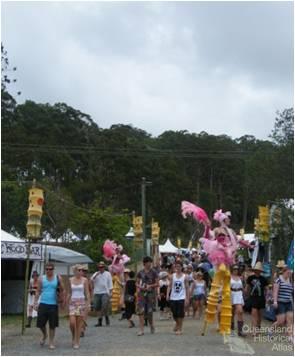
[[47, 313], [199, 297], [77, 307], [284, 307], [101, 303], [145, 305], [257, 302], [177, 308]]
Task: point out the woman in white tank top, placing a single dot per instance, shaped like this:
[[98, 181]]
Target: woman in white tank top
[[79, 293], [237, 300]]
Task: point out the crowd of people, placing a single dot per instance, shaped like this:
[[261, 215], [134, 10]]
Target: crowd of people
[[178, 287], [202, 283]]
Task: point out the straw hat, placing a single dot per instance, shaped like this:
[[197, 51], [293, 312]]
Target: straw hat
[[163, 274], [84, 267], [101, 264], [126, 270], [258, 266], [281, 264]]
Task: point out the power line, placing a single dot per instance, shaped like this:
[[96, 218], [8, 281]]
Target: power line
[[87, 150]]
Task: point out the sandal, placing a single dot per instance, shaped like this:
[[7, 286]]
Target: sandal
[[76, 347], [51, 347], [140, 333]]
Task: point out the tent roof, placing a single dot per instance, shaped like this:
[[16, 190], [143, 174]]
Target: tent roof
[[66, 255], [7, 237], [55, 253], [168, 247]]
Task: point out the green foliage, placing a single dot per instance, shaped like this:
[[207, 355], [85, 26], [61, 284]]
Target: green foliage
[[282, 229]]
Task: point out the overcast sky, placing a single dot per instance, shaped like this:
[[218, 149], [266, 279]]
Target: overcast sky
[[219, 67]]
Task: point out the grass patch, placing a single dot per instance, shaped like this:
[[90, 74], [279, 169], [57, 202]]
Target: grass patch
[[11, 320]]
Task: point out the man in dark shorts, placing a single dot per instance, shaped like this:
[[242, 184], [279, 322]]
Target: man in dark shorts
[[179, 296], [256, 285], [49, 286], [146, 283]]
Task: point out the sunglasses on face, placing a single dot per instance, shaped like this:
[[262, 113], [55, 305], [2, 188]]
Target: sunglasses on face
[[49, 268], [80, 269]]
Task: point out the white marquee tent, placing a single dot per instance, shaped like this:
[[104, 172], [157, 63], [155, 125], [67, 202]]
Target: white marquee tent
[[168, 247]]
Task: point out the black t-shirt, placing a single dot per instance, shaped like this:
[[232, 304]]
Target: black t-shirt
[[257, 285], [130, 287]]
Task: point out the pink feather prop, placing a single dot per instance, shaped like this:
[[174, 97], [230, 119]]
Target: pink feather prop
[[198, 213], [109, 249]]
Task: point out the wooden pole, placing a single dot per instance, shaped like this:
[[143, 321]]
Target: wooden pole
[[26, 285]]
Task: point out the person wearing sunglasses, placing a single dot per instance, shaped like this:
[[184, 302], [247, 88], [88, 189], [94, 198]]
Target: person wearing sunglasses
[[49, 287], [102, 285], [77, 297]]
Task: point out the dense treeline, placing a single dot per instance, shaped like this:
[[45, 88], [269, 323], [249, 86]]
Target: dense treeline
[[92, 176]]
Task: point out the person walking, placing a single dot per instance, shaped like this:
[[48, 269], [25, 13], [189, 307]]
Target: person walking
[[129, 297], [198, 293], [146, 284], [162, 294], [77, 297], [256, 285], [49, 287], [237, 300], [283, 301], [102, 289], [32, 292], [179, 296], [88, 303]]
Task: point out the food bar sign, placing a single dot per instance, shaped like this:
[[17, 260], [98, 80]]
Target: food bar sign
[[18, 250]]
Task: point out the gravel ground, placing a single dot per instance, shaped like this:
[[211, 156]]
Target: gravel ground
[[119, 340]]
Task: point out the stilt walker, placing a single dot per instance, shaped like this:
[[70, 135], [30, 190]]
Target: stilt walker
[[220, 247]]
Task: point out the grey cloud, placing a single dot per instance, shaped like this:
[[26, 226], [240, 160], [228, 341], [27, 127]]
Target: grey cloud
[[218, 67]]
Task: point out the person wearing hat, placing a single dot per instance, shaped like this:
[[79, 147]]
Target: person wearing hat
[[224, 221], [256, 285], [237, 300], [283, 291], [102, 290], [32, 291], [280, 266]]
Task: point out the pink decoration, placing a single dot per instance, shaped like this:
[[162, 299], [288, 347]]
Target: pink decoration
[[219, 251], [111, 251], [219, 216], [198, 213]]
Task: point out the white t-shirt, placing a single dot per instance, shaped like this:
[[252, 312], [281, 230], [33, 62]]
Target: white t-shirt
[[102, 282]]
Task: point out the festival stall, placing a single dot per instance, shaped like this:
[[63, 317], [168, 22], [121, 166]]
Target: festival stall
[[13, 262]]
